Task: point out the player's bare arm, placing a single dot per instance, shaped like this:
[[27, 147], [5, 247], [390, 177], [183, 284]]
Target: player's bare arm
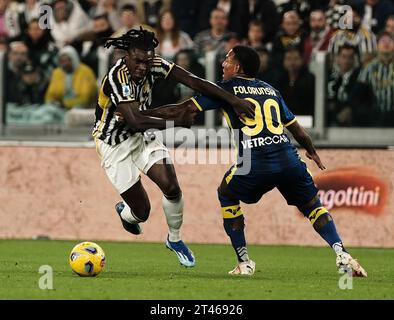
[[172, 111], [209, 89], [134, 118], [303, 138]]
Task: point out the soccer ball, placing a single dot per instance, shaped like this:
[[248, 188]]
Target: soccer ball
[[87, 259]]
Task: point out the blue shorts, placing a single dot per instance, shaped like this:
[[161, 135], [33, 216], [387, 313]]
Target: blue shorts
[[294, 183]]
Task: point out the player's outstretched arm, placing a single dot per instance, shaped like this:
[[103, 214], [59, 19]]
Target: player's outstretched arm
[[171, 111], [211, 90], [134, 118], [303, 138]]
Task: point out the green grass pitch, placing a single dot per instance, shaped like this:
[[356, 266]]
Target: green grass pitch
[[149, 271]]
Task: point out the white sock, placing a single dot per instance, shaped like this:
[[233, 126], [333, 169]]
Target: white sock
[[127, 215], [173, 210], [338, 248]]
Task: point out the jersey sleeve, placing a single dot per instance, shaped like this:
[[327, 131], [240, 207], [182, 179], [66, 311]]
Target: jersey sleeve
[[287, 117], [161, 68], [118, 86], [204, 103]]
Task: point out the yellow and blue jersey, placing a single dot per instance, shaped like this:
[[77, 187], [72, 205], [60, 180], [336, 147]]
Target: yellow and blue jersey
[[260, 140]]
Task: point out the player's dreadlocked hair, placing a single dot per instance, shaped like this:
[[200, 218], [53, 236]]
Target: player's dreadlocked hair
[[134, 39]]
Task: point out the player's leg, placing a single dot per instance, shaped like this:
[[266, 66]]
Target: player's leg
[[157, 165], [137, 205], [125, 177], [234, 225], [324, 225], [298, 188], [163, 175]]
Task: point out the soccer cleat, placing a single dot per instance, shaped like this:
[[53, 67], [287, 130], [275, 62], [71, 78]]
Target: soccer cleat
[[184, 254], [133, 228], [244, 268], [345, 262]]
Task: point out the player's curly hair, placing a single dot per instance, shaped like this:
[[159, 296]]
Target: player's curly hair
[[134, 39]]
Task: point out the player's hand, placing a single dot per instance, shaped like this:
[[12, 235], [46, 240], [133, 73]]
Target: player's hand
[[244, 108], [315, 157], [185, 118]]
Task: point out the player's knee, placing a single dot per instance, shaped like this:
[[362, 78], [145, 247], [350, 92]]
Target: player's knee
[[142, 212], [172, 191], [225, 197]]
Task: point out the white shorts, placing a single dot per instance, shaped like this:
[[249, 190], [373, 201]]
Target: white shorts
[[124, 162]]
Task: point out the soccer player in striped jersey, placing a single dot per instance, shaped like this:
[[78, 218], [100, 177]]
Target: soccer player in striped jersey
[[126, 91], [266, 158]]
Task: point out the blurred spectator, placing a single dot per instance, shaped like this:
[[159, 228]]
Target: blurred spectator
[[28, 11], [341, 86], [9, 19], [266, 12], [319, 36], [375, 93], [42, 50], [73, 84], [109, 8], [188, 61], [374, 13], [94, 49], [69, 23], [230, 41], [185, 13], [171, 39], [267, 71], [210, 40], [356, 36], [235, 10], [291, 35], [256, 36], [302, 7], [18, 57], [389, 27], [31, 87], [3, 44], [297, 84], [129, 20], [149, 11]]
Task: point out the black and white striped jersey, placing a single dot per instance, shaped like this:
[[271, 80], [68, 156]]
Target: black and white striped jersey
[[364, 40], [381, 79], [118, 87]]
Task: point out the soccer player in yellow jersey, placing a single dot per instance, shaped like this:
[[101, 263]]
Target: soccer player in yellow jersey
[[266, 158]]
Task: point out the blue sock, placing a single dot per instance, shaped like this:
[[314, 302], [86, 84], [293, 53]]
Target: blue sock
[[329, 233], [235, 230], [324, 225], [233, 223]]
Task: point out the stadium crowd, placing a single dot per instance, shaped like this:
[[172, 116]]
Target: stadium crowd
[[54, 63]]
